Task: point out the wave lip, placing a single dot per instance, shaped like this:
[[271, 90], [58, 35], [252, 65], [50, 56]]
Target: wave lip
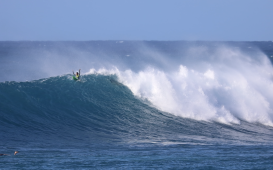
[[225, 85]]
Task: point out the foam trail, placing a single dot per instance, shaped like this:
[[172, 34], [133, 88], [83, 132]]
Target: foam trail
[[224, 85]]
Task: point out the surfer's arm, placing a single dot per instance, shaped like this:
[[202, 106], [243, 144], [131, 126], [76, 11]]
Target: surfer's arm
[[73, 72], [79, 72]]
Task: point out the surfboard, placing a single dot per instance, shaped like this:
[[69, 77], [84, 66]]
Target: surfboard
[[75, 78]]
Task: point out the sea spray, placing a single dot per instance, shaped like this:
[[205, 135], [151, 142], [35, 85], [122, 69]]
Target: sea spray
[[224, 85]]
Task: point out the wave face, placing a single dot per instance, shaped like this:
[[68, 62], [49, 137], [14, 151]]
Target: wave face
[[99, 109], [151, 93]]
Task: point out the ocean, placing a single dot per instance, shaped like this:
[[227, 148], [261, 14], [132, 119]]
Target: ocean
[[137, 105]]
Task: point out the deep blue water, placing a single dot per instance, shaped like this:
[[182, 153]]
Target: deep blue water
[[138, 105]]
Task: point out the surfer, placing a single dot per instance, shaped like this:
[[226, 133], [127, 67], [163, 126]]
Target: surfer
[[1, 154], [77, 76]]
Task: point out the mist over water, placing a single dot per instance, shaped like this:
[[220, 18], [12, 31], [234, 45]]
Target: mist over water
[[202, 81], [224, 85]]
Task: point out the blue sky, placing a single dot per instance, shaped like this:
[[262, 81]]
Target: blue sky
[[212, 20]]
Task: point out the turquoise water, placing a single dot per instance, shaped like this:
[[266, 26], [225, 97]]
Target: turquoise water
[[137, 112]]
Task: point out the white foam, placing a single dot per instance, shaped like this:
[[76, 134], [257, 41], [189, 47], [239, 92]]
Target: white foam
[[226, 86]]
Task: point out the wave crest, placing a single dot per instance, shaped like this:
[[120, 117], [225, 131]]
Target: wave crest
[[225, 85]]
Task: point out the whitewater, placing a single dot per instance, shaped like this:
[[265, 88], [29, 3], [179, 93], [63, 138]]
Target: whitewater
[[224, 85], [138, 104]]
